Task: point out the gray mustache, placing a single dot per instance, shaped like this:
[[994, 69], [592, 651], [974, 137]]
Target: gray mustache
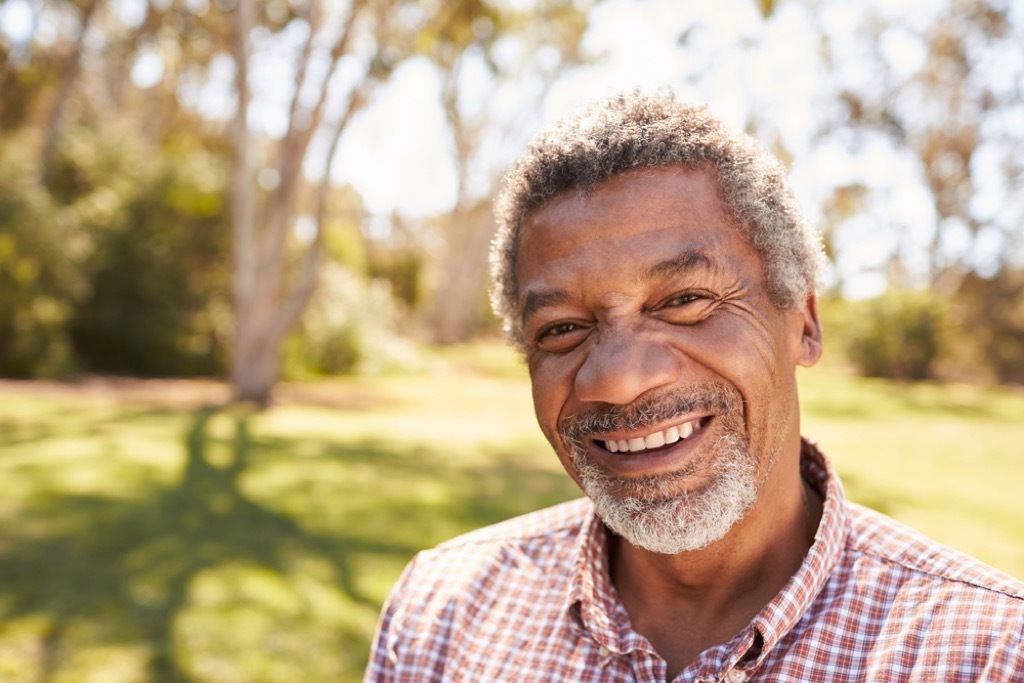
[[709, 397]]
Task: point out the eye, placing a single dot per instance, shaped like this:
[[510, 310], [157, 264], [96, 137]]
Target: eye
[[558, 330], [684, 308], [560, 336], [681, 300]]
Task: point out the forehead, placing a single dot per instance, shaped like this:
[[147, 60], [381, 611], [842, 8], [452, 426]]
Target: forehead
[[632, 220]]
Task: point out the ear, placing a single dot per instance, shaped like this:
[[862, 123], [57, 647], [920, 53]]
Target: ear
[[810, 340]]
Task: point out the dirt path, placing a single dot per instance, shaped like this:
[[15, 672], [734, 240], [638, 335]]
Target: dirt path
[[188, 394], [170, 392]]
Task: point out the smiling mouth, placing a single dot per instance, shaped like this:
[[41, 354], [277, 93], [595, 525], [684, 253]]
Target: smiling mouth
[[655, 440]]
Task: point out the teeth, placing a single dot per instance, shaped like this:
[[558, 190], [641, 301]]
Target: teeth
[[672, 435], [656, 440]]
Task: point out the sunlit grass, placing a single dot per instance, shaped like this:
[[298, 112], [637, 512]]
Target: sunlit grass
[[944, 458], [143, 539]]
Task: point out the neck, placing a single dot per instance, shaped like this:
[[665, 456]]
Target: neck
[[688, 602]]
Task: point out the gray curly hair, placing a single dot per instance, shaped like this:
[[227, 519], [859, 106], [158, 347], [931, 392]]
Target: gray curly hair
[[633, 131]]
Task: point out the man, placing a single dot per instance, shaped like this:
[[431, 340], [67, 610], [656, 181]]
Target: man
[[655, 271]]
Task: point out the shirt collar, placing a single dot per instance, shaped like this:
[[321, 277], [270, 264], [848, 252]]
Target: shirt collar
[[591, 600], [595, 609], [787, 608]]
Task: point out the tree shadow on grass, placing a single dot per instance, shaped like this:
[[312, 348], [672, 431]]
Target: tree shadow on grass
[[121, 569], [100, 572]]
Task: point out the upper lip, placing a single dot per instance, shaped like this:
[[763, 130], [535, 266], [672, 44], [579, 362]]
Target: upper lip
[[652, 438]]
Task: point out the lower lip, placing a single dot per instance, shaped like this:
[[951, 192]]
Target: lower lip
[[656, 461]]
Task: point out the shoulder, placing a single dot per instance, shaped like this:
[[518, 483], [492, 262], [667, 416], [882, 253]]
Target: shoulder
[[525, 550], [896, 548], [923, 600], [543, 526], [900, 606], [468, 601]]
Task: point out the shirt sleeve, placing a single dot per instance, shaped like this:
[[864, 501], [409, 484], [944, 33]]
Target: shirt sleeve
[[1007, 663], [383, 653]]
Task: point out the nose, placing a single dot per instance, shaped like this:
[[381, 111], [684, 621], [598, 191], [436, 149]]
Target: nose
[[622, 367]]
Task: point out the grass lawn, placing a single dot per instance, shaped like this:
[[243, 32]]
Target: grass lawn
[[148, 536]]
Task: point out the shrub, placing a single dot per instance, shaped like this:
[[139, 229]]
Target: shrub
[[899, 335], [40, 280], [158, 274], [991, 311], [351, 327]]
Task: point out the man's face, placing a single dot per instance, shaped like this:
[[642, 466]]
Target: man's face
[[662, 373]]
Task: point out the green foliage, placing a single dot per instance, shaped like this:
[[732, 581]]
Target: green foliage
[[40, 280], [899, 335], [977, 335], [345, 244], [402, 268], [990, 318], [350, 327], [121, 265], [160, 268]]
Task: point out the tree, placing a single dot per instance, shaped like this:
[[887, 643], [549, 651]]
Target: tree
[[467, 44], [70, 68], [944, 93], [992, 311], [163, 70], [117, 212], [266, 306]]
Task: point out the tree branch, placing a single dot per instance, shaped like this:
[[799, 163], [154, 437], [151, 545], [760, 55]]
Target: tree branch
[[293, 151], [69, 71], [242, 206], [306, 279]]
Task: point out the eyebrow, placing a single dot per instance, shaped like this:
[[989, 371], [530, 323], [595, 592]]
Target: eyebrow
[[689, 260], [536, 300]]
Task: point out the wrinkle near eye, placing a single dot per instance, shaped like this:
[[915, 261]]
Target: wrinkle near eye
[[692, 312], [761, 327]]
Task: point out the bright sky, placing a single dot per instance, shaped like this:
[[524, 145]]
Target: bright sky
[[400, 161]]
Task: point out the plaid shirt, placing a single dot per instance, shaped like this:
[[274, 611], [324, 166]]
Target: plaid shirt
[[531, 600]]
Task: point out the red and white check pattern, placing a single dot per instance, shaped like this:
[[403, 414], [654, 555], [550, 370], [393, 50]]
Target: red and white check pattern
[[530, 600]]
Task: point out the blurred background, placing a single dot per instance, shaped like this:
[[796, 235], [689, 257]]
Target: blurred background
[[250, 364]]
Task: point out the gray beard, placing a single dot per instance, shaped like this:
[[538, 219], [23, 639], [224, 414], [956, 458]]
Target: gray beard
[[648, 511]]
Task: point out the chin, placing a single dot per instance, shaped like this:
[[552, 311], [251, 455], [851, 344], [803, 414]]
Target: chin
[[655, 514]]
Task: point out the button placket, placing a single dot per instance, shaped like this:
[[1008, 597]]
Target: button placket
[[736, 676]]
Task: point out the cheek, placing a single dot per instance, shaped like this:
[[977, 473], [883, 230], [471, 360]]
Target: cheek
[[551, 393], [551, 385], [739, 351], [751, 355]]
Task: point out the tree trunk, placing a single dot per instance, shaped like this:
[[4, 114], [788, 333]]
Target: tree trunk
[[253, 370], [69, 72], [457, 311], [269, 296], [255, 366]]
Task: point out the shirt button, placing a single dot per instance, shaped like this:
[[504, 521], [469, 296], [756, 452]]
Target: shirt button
[[736, 676], [604, 652]]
